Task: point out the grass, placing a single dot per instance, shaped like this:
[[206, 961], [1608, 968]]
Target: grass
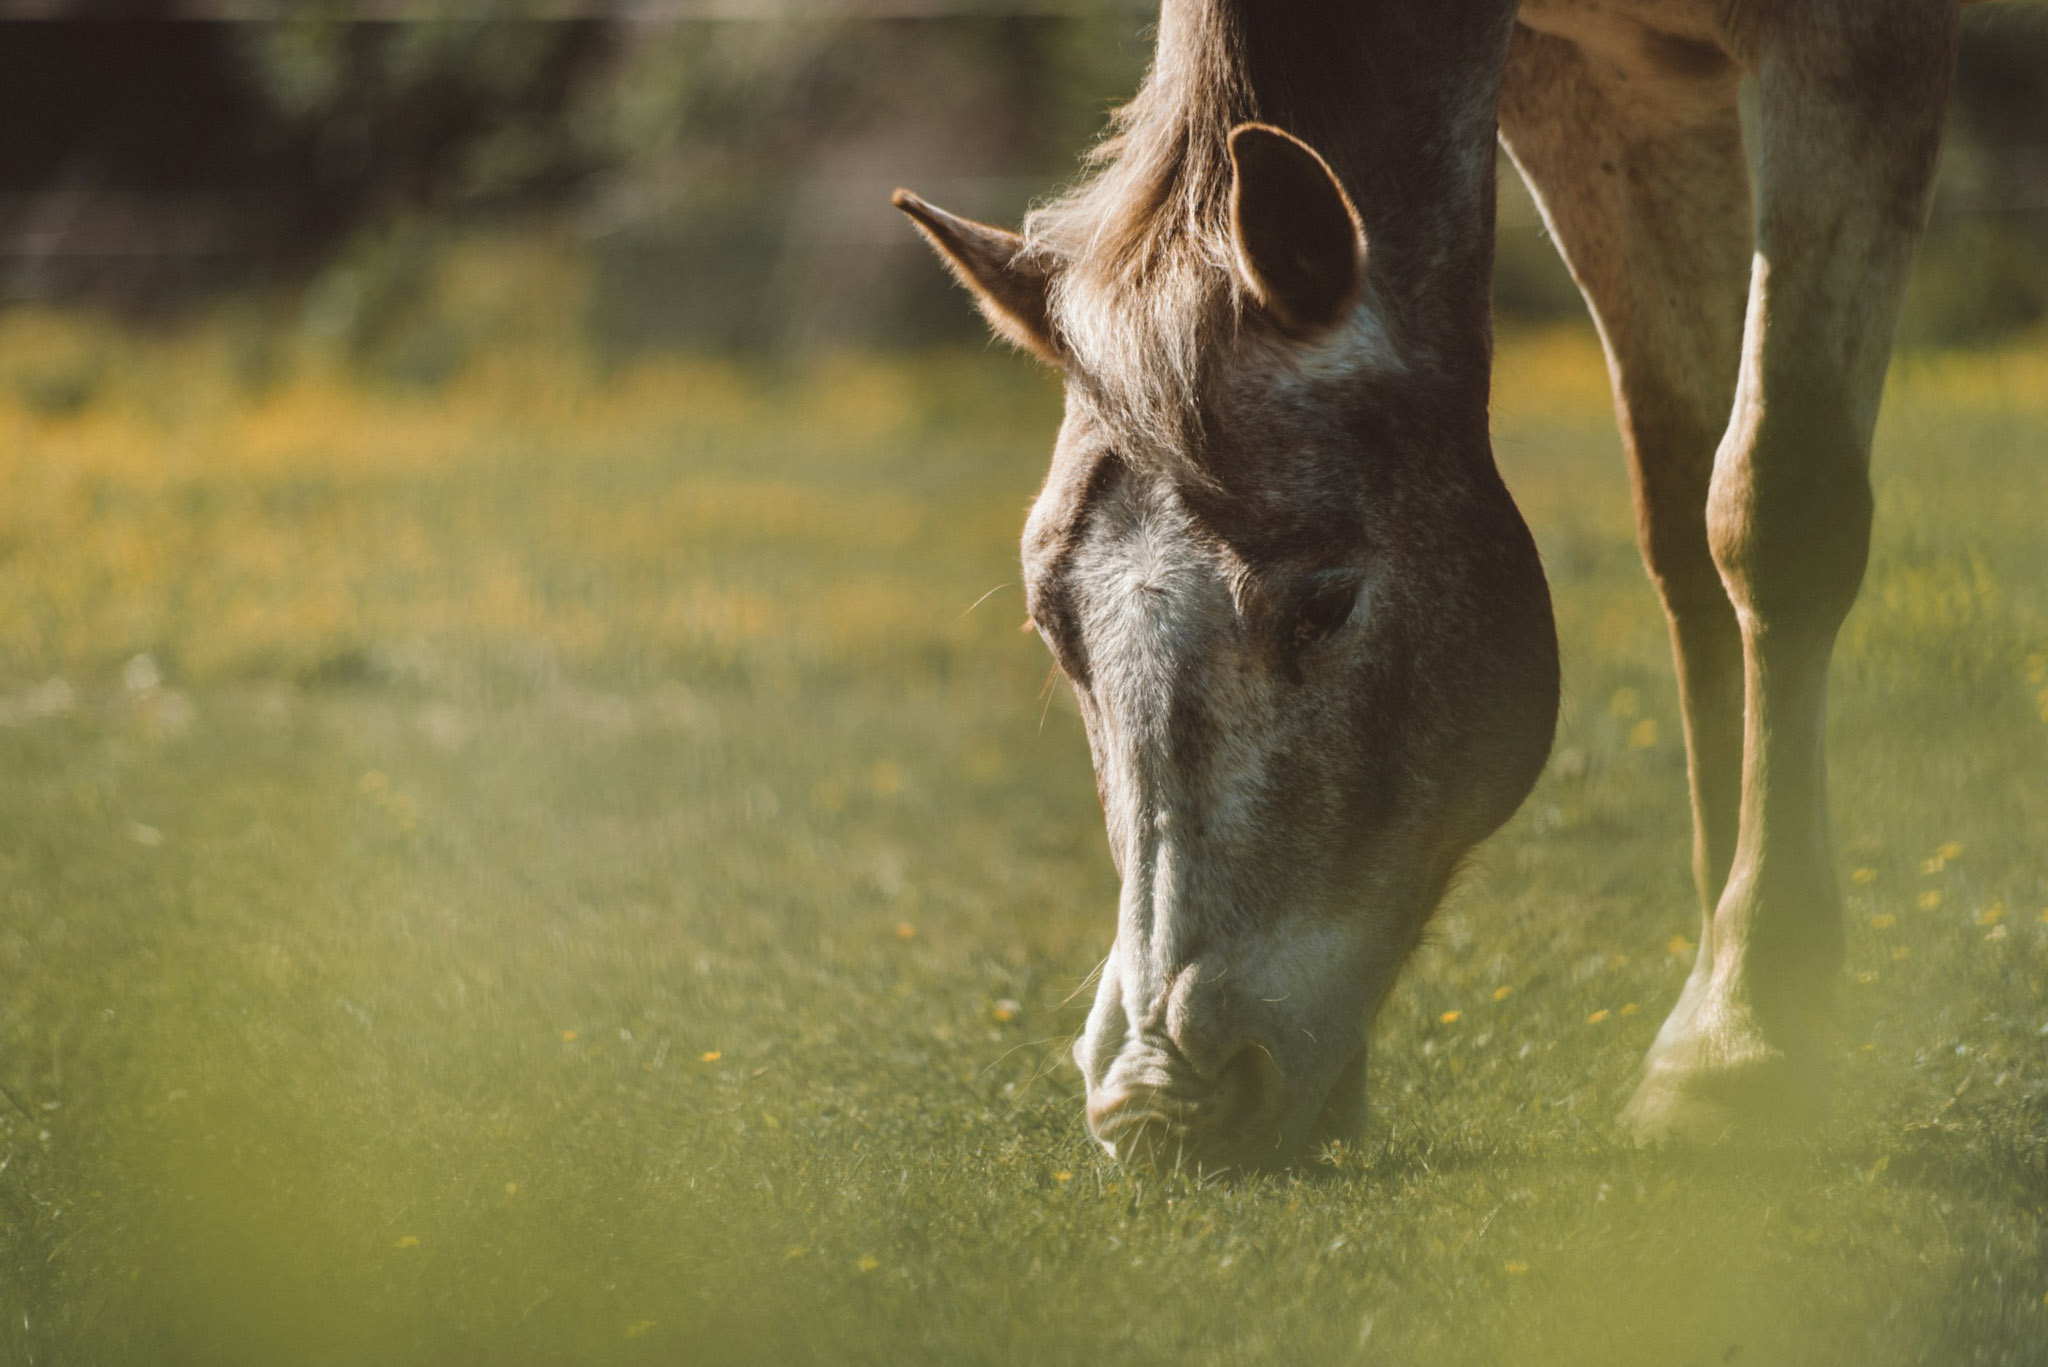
[[579, 867]]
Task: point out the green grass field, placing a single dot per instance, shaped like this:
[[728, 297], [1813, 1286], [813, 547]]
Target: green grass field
[[581, 868]]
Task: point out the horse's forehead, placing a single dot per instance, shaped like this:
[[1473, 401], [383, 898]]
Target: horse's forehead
[[1099, 510], [1145, 532], [1243, 531]]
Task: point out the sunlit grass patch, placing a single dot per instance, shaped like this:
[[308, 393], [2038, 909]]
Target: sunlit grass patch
[[576, 866], [528, 505]]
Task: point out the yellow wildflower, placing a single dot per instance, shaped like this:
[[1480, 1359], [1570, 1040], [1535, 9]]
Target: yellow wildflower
[[1885, 922], [1900, 952], [905, 930], [1500, 994], [868, 1262], [1930, 899], [1450, 1017], [711, 1056], [1514, 1267], [1992, 914], [1597, 1016], [1863, 878], [1643, 734]]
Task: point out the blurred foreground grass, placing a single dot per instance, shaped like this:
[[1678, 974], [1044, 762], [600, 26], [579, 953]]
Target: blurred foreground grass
[[579, 866]]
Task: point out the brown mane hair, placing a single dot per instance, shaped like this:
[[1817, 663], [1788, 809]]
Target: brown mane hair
[[1142, 283]]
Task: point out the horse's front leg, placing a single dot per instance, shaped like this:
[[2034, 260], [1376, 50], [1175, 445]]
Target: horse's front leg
[[1852, 97], [1640, 173]]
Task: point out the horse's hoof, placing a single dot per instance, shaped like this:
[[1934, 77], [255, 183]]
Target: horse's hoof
[[1756, 1105], [1715, 1087]]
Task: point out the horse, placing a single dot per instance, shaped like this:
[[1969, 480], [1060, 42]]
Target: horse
[[1307, 628]]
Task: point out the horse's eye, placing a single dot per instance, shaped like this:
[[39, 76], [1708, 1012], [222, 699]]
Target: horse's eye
[[1327, 608]]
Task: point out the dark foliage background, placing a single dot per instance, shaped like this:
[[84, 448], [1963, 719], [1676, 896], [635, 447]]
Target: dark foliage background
[[724, 165]]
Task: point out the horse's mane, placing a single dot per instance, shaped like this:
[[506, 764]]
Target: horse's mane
[[1141, 246]]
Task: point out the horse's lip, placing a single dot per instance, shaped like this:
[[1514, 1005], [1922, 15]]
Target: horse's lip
[[1123, 1125], [1163, 1126], [1115, 1134], [1138, 1108], [1148, 1136]]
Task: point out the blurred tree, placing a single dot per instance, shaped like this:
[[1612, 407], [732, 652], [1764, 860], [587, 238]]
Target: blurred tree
[[726, 170], [1983, 269], [146, 159], [752, 163]]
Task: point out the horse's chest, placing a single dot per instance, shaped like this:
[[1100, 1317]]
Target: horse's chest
[[1629, 30]]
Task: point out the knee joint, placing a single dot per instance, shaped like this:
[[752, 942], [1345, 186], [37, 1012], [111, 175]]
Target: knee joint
[[1788, 524]]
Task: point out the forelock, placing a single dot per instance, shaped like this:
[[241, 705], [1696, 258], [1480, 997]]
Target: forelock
[[1145, 291], [1139, 322]]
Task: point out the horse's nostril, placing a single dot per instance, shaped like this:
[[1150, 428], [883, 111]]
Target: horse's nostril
[[1248, 1099]]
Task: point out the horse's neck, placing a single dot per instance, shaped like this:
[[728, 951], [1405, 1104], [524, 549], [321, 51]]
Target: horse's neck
[[1399, 97]]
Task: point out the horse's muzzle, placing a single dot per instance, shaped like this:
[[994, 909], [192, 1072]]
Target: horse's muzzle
[[1154, 1112]]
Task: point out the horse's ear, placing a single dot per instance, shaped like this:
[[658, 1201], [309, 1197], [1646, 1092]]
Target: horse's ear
[[1299, 245], [1009, 282]]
